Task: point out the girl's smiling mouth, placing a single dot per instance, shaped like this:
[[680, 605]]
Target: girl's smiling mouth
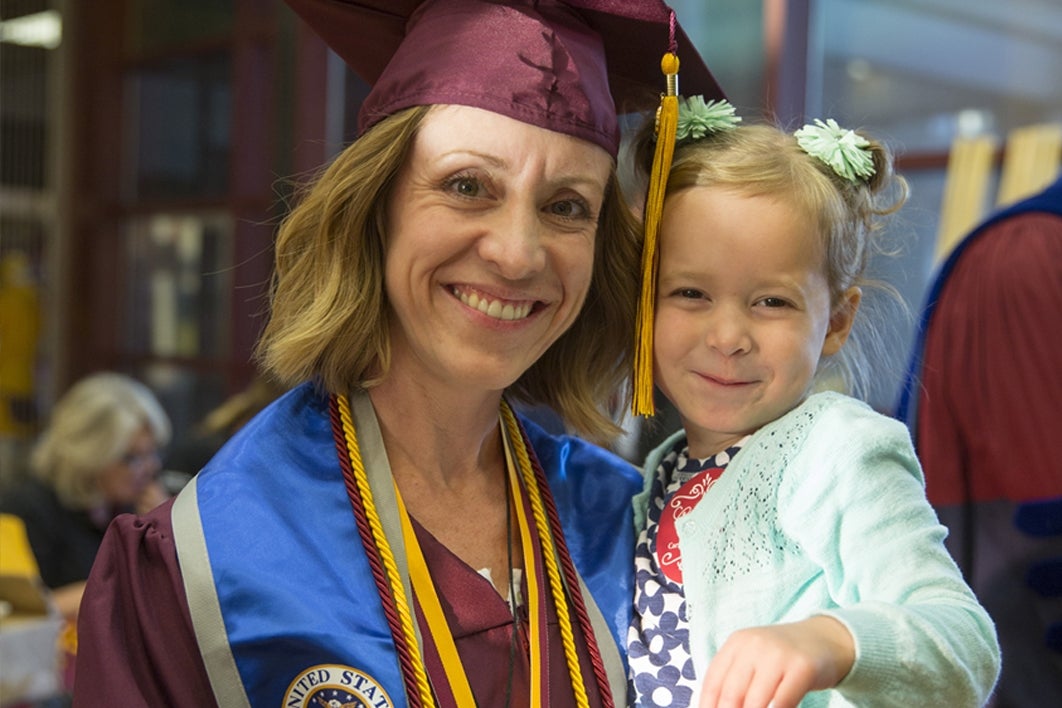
[[723, 381]]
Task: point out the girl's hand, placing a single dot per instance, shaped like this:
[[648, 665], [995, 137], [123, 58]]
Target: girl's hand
[[777, 665]]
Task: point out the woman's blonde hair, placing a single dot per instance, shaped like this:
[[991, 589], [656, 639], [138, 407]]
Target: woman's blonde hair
[[764, 160], [330, 321], [91, 427]]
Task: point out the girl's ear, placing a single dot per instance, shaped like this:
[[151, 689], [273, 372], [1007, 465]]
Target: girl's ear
[[841, 321]]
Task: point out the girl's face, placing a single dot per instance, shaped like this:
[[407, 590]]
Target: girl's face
[[123, 481], [742, 312], [490, 246]]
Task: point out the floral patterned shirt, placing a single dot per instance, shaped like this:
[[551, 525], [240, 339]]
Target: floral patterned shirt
[[661, 669]]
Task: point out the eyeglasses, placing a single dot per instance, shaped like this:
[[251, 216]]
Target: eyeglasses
[[135, 459]]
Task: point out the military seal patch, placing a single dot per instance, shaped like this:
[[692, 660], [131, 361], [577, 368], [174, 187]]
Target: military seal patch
[[335, 686]]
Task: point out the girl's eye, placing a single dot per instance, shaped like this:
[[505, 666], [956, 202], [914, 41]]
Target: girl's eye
[[689, 293], [774, 302]]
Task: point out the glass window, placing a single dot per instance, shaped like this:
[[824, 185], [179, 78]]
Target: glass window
[[926, 72], [23, 115], [908, 271], [729, 35], [180, 116], [186, 394], [158, 24], [179, 284], [918, 76]]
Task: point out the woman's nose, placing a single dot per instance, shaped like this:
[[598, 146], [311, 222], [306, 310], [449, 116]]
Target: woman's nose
[[514, 242]]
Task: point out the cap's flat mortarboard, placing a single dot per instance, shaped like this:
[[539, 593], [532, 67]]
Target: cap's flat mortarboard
[[565, 65]]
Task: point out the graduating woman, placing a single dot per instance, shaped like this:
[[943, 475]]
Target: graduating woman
[[390, 533]]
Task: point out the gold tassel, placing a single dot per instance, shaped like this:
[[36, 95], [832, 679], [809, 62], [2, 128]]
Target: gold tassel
[[666, 124]]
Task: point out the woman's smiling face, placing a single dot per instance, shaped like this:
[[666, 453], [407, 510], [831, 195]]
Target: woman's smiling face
[[490, 245]]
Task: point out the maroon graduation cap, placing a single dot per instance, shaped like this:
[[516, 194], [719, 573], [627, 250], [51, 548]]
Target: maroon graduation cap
[[566, 65]]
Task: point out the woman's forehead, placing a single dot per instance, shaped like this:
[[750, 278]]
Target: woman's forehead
[[452, 133]]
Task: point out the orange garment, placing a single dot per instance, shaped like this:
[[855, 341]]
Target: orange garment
[[19, 331]]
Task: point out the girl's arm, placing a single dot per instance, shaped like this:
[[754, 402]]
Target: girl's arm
[[858, 508]]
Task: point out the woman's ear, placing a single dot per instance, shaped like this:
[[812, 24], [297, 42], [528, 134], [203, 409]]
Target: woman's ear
[[841, 320]]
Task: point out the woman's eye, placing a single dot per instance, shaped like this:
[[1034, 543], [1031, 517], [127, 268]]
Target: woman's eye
[[570, 209], [466, 186]]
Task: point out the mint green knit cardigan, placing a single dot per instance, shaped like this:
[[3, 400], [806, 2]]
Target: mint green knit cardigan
[[824, 512]]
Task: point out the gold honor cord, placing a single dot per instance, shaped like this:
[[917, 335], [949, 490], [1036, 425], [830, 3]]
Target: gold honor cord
[[534, 600], [549, 555], [425, 589], [416, 660]]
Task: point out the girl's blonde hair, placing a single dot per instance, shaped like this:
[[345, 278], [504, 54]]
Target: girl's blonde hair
[[91, 428], [764, 160], [330, 318]]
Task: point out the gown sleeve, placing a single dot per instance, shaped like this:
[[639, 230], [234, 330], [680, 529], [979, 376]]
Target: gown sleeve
[[990, 378], [136, 644]]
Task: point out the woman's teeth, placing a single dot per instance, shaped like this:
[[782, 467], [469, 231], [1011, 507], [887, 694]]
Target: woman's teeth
[[494, 308]]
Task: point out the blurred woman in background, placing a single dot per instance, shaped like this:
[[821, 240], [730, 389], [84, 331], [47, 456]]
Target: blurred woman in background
[[98, 457]]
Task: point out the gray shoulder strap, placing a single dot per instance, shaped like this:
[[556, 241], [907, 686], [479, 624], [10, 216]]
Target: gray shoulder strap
[[382, 484], [610, 656], [203, 600]]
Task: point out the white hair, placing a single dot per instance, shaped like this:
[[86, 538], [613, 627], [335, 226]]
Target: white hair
[[91, 427]]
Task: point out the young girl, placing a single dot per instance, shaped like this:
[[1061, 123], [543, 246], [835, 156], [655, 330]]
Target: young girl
[[787, 554]]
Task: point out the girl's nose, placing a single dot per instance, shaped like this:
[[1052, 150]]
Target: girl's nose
[[728, 332]]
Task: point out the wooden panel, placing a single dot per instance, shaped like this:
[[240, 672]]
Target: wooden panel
[[966, 188], [1031, 161]]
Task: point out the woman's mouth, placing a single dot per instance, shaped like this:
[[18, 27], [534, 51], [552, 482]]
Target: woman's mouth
[[498, 309]]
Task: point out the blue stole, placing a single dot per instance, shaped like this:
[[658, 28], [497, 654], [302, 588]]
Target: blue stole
[[281, 593]]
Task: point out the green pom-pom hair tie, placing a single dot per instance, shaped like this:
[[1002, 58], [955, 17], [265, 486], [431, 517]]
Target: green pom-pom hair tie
[[843, 150], [697, 118]]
